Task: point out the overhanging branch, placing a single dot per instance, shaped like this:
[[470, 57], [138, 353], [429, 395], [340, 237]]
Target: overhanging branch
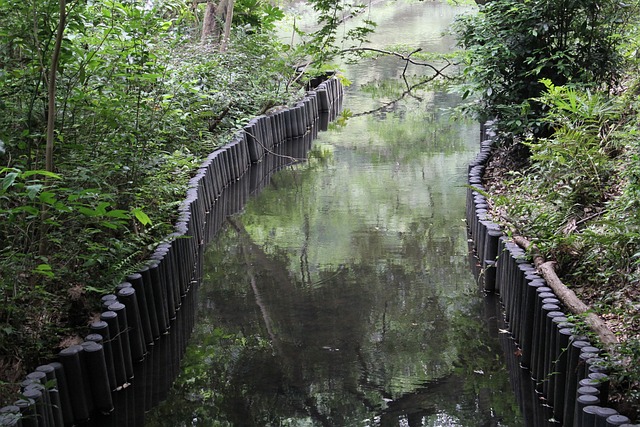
[[404, 94], [405, 57]]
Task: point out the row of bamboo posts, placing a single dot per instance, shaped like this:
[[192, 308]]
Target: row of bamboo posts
[[131, 355], [567, 371]]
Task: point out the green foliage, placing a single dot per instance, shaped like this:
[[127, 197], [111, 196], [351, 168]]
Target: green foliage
[[139, 105], [258, 15], [575, 164], [626, 372], [342, 118], [579, 202], [511, 46], [330, 39], [573, 173]]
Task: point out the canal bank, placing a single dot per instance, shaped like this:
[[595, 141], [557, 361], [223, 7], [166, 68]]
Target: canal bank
[[562, 367], [342, 294], [131, 355]]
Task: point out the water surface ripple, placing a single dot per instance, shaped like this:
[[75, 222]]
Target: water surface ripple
[[342, 294]]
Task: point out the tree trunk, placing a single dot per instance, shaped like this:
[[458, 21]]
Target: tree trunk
[[51, 119], [53, 71], [209, 22], [217, 17], [227, 25]]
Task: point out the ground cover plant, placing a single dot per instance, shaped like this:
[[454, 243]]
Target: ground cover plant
[[135, 116], [562, 86]]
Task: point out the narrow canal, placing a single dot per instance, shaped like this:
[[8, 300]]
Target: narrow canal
[[342, 294]]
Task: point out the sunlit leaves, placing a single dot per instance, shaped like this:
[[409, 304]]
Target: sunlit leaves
[[45, 270], [142, 217]]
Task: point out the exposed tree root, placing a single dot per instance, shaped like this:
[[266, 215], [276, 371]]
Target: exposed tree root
[[568, 297]]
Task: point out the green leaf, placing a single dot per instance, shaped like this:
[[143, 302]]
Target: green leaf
[[8, 180], [149, 76], [28, 209], [45, 270], [141, 216], [101, 209], [100, 291], [86, 211], [27, 174], [33, 190], [109, 225], [47, 197], [118, 213]]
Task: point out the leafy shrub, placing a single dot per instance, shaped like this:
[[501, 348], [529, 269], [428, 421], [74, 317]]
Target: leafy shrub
[[138, 107], [513, 45], [573, 173]]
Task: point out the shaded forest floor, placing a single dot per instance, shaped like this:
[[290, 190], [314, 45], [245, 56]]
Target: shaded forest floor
[[615, 301]]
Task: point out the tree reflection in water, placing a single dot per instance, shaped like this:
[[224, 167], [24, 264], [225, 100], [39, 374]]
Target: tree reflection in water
[[342, 295]]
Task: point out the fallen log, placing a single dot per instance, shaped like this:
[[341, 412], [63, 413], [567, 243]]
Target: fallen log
[[568, 297]]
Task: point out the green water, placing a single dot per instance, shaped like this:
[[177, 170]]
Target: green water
[[342, 295]]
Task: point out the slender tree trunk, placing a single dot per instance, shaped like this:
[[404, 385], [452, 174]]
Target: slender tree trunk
[[227, 25], [216, 26], [51, 118], [53, 71], [209, 21]]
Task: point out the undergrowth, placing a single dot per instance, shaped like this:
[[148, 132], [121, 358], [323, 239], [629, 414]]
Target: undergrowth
[[125, 153], [578, 201]]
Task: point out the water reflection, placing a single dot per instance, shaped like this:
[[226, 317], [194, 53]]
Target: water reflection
[[390, 333], [342, 295]]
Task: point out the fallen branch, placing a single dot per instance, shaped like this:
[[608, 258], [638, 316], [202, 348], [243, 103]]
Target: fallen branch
[[568, 297]]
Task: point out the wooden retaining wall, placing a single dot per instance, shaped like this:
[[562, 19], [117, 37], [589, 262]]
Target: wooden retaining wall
[[567, 370], [131, 356]]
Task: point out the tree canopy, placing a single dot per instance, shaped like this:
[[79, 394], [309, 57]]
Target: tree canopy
[[513, 45]]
